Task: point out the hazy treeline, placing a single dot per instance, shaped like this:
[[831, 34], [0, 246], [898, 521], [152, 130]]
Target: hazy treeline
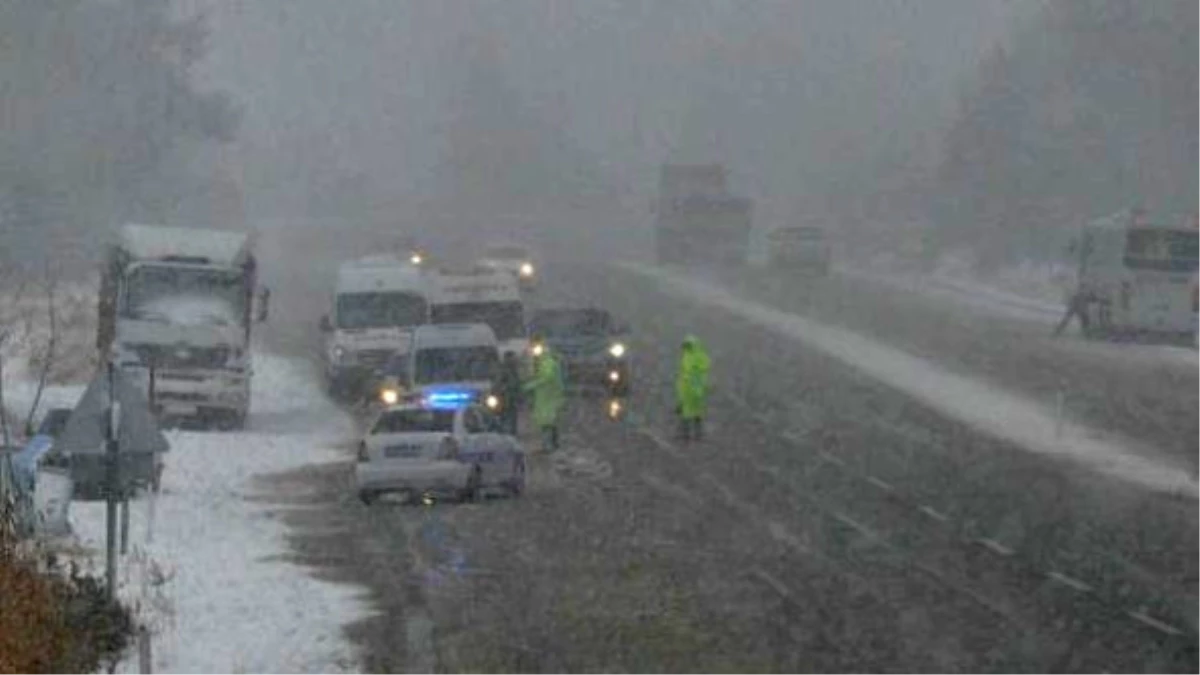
[[99, 121], [1088, 108]]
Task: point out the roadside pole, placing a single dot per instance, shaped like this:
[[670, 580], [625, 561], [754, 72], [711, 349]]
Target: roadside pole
[[154, 487], [113, 478]]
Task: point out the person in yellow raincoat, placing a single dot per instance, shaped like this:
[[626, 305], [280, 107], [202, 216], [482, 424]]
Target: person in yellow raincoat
[[691, 388], [547, 388]]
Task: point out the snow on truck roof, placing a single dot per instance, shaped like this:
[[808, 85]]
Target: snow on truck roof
[[379, 273], [218, 247]]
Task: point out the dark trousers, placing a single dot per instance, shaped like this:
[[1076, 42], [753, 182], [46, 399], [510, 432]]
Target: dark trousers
[[1076, 307], [508, 419], [550, 437], [691, 428]]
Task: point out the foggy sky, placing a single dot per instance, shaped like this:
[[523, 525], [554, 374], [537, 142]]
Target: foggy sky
[[794, 95]]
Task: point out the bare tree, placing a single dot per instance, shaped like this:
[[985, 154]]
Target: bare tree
[[48, 359]]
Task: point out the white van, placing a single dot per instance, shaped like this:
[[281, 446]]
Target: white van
[[448, 365], [377, 303], [482, 296], [1137, 277]]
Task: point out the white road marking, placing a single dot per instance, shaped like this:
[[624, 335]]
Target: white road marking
[[985, 406], [882, 485], [1154, 623], [832, 459], [1070, 581], [995, 546], [776, 585], [933, 513]]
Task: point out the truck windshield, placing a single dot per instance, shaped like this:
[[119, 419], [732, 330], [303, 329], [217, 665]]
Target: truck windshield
[[380, 310], [455, 364], [1163, 250], [571, 323], [187, 295], [506, 319]]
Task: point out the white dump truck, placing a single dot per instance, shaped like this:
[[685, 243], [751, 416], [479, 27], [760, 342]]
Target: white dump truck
[[177, 307], [481, 295], [377, 303]]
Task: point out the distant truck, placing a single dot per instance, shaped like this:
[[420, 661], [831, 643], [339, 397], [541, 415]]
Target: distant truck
[[1137, 276], [180, 303], [481, 295], [697, 220], [377, 302], [800, 249]]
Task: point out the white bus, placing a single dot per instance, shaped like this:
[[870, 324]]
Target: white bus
[[1135, 276], [377, 303], [481, 296]]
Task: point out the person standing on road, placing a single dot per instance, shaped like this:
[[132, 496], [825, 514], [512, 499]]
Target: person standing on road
[[691, 389], [547, 388], [508, 384]]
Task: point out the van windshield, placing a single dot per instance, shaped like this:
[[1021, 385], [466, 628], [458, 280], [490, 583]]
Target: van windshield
[[380, 310], [1162, 250], [455, 364]]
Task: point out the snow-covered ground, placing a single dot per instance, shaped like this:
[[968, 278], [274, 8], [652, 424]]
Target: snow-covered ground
[[1030, 292], [979, 403], [205, 568]]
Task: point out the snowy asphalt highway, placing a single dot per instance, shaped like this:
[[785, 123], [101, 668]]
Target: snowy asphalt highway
[[828, 522]]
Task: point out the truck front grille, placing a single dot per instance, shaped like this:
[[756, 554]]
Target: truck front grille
[[167, 356]]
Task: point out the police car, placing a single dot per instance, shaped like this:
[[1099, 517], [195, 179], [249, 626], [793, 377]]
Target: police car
[[440, 446]]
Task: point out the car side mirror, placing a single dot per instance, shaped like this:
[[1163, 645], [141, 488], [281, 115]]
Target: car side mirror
[[264, 302], [326, 326]]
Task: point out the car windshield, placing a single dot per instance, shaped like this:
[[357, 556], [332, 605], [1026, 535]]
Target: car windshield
[[1164, 250], [381, 310], [185, 294], [571, 323], [417, 420], [456, 364], [506, 319]]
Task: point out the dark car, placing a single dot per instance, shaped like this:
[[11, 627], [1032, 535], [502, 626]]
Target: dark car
[[591, 344]]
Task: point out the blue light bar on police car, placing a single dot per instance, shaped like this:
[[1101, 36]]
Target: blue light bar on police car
[[449, 398]]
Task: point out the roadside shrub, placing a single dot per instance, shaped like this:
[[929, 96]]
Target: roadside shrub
[[53, 620]]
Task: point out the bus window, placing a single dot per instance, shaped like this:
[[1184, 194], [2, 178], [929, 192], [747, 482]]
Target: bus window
[[1161, 250]]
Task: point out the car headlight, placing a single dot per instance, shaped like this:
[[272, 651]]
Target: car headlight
[[417, 258], [537, 349], [492, 401], [617, 350], [389, 396], [526, 270]]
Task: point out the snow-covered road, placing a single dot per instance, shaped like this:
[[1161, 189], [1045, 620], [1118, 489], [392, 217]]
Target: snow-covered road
[[207, 568]]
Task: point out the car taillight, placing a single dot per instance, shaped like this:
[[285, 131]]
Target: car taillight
[[448, 449], [362, 452]]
